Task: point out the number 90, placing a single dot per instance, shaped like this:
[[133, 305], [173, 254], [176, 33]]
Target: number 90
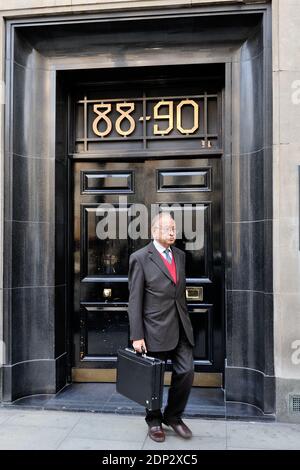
[[169, 116]]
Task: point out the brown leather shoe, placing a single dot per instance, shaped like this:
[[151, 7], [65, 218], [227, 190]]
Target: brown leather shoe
[[157, 433], [180, 428]]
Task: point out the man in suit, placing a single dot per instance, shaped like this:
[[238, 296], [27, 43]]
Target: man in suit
[[159, 319]]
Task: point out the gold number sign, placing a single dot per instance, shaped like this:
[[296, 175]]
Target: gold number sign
[[169, 117], [179, 116], [125, 109], [102, 115], [163, 110]]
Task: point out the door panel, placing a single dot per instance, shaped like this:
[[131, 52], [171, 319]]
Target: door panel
[[111, 191], [192, 190]]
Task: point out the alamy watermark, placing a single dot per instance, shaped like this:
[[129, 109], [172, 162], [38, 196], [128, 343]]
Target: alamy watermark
[[2, 92], [296, 92], [123, 221], [296, 353], [2, 352]]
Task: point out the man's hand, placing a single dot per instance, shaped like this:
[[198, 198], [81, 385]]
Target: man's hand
[[138, 345]]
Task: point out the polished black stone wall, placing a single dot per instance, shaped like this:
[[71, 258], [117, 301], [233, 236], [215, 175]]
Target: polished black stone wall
[[36, 321], [34, 274], [249, 286]]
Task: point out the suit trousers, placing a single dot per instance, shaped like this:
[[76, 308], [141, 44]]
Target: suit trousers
[[181, 381]]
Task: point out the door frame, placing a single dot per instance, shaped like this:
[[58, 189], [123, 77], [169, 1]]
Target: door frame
[[201, 379]]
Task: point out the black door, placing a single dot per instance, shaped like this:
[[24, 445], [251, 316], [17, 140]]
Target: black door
[[118, 193]]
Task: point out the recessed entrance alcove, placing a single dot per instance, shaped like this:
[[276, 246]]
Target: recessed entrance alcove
[[219, 59]]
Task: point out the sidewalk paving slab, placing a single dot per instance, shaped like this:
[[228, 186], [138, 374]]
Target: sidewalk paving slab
[[68, 430], [277, 436]]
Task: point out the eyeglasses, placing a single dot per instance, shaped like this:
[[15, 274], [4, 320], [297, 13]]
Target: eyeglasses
[[165, 229]]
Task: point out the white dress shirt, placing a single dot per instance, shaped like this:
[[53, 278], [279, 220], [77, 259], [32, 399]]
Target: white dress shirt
[[161, 249]]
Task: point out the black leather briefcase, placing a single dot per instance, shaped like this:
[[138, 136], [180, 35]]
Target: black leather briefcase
[[140, 378]]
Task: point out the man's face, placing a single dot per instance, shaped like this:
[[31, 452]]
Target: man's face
[[165, 231]]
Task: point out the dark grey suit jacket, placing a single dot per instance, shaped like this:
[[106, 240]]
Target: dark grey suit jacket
[[155, 301]]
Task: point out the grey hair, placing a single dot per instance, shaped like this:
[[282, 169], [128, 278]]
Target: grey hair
[[157, 218]]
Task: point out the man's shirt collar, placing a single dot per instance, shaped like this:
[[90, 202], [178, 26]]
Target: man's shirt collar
[[159, 246]]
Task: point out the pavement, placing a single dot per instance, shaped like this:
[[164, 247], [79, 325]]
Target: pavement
[[66, 430]]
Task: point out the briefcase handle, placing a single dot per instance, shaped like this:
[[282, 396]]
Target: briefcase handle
[[143, 354]]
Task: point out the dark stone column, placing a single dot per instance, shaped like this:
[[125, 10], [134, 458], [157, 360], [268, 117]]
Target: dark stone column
[[34, 300], [249, 371]]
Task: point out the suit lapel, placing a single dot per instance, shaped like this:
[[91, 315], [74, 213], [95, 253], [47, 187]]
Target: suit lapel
[[156, 258]]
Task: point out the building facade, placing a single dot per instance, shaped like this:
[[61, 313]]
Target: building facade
[[189, 104]]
